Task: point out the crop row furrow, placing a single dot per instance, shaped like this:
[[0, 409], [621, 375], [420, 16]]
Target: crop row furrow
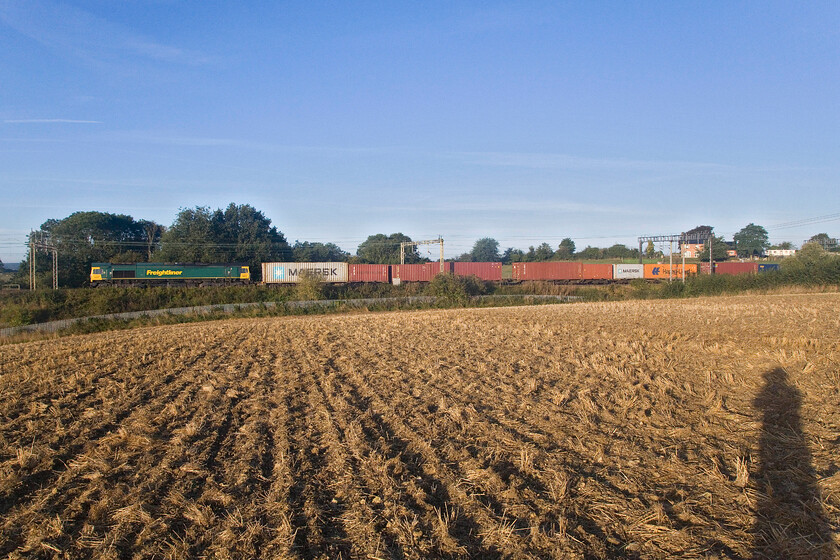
[[440, 477]]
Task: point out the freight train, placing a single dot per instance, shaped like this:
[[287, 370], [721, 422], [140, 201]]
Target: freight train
[[342, 272]]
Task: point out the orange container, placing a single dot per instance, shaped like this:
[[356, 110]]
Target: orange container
[[491, 271], [597, 271], [665, 271], [369, 272], [548, 271]]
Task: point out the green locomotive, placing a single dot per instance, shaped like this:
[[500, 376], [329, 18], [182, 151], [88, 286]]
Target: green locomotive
[[165, 274]]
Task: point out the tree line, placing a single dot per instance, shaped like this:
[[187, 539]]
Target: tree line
[[243, 234]]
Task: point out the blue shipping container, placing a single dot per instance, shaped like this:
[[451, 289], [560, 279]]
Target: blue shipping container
[[768, 267]]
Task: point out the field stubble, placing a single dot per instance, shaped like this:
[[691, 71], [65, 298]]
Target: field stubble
[[703, 428]]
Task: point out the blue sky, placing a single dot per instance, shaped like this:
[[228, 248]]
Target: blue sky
[[525, 121]]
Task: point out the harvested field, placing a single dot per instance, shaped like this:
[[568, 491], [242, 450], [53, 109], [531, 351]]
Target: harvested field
[[704, 428]]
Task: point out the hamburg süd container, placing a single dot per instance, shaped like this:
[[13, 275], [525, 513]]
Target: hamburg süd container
[[628, 271], [491, 271], [736, 268], [666, 271], [369, 272], [292, 272]]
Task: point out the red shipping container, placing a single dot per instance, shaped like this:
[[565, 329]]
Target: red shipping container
[[548, 271], [418, 272], [491, 271], [369, 273], [597, 271], [736, 268], [705, 267]]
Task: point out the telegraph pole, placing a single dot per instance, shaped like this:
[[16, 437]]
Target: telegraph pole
[[405, 244], [45, 245]]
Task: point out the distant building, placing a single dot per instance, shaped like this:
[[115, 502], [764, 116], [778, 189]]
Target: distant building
[[827, 243], [691, 250], [781, 252]]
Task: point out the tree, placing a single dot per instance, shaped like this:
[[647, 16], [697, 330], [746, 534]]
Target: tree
[[237, 234], [83, 238], [385, 249], [566, 250], [590, 253], [485, 249], [190, 238], [619, 251], [695, 235], [751, 240], [784, 246], [512, 255], [650, 250], [152, 232], [304, 251], [719, 249], [543, 253]]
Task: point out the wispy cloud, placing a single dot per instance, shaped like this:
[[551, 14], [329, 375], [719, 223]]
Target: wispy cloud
[[50, 121], [569, 162], [86, 36], [566, 161]]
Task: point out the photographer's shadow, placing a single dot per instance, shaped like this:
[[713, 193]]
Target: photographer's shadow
[[790, 520]]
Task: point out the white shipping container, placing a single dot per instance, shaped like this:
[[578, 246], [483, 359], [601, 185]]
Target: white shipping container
[[290, 273], [628, 271]]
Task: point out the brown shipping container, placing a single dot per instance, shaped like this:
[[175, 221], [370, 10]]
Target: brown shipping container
[[418, 272], [597, 271], [369, 272], [491, 271], [664, 271], [705, 267], [548, 271], [736, 268]]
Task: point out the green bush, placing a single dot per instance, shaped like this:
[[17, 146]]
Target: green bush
[[456, 289], [309, 287]]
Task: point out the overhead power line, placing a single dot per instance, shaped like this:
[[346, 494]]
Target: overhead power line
[[806, 222]]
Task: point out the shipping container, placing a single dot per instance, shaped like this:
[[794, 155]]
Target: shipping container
[[736, 268], [769, 267], [597, 271], [628, 271], [705, 267], [548, 271], [417, 272], [491, 271], [665, 271], [369, 272], [291, 272]]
